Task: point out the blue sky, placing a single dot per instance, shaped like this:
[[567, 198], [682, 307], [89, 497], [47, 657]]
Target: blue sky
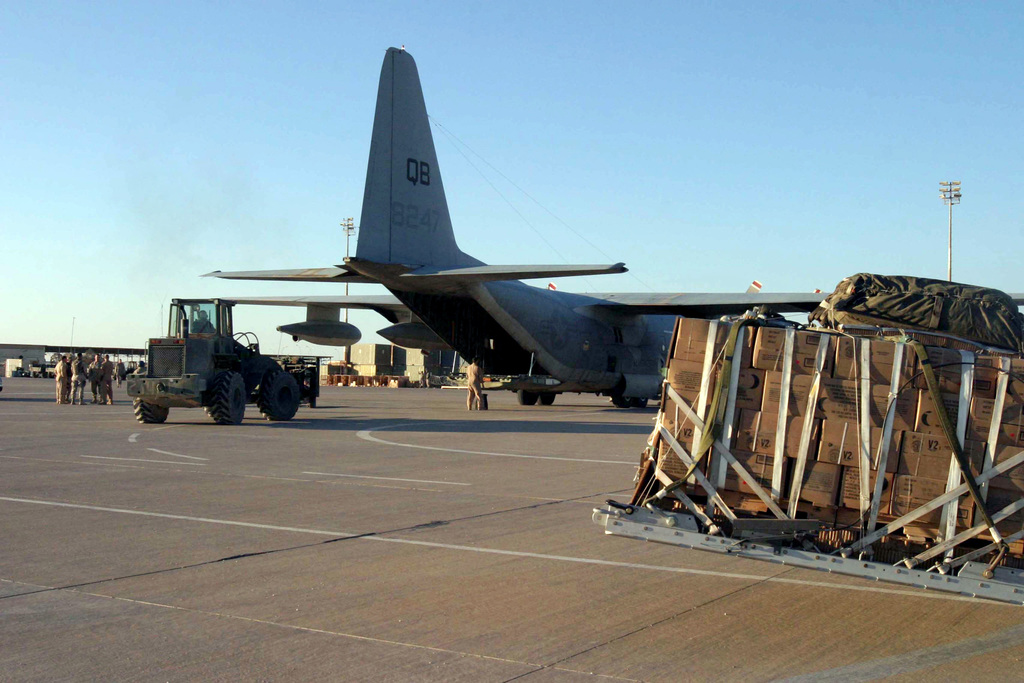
[[704, 144]]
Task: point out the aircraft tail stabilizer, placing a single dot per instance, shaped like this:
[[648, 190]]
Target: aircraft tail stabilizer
[[405, 216]]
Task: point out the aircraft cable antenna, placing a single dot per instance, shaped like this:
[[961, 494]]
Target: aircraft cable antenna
[[455, 139], [501, 194]]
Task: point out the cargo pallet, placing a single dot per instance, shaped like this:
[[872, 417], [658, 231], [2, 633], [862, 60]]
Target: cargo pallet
[[693, 511]]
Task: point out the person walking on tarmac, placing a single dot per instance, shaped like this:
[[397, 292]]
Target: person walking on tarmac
[[94, 377], [78, 378], [62, 373], [107, 379], [120, 372], [473, 378]]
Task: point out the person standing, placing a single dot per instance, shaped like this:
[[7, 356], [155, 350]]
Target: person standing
[[94, 377], [107, 378], [62, 373], [474, 385], [120, 371], [78, 377]]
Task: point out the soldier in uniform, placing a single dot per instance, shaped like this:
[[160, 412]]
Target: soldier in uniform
[[473, 379], [107, 378], [62, 373], [120, 372], [94, 378], [78, 378]]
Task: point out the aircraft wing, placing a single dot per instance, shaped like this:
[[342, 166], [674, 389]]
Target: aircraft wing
[[524, 272], [332, 274], [385, 304], [705, 304]]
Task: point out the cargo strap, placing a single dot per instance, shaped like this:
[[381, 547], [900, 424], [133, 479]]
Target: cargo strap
[[954, 442], [716, 414]]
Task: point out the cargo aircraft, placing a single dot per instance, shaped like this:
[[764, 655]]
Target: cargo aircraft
[[544, 341]]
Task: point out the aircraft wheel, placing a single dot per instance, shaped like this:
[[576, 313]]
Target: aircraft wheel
[[279, 397], [547, 399], [526, 398], [149, 413], [227, 403], [637, 402], [621, 401]]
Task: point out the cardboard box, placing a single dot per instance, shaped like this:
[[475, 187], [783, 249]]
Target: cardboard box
[[820, 483], [690, 341], [910, 493], [750, 389], [948, 366], [979, 421], [927, 419], [799, 390], [756, 432], [929, 455], [850, 491], [686, 377], [1003, 492], [1003, 453], [769, 350], [840, 443], [926, 456], [904, 412], [838, 400], [760, 466], [881, 359], [683, 432]]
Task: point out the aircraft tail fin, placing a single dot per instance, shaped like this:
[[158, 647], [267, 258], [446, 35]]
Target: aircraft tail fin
[[405, 216]]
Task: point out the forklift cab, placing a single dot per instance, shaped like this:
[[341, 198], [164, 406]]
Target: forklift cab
[[201, 317]]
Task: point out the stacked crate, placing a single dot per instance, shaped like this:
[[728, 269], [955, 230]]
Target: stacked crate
[[918, 457]]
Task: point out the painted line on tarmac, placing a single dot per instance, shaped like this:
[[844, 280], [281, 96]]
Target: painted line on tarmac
[[363, 476], [367, 436], [160, 429], [867, 588], [165, 462], [310, 629], [176, 455], [133, 438], [917, 660]]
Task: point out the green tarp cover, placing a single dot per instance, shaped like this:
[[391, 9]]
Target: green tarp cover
[[987, 316]]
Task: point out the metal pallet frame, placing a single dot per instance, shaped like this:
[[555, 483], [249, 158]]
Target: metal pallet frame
[[681, 529], [696, 529]]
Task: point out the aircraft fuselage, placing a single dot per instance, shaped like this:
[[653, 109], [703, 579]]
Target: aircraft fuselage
[[517, 329]]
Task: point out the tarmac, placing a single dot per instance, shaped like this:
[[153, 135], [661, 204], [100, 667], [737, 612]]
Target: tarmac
[[390, 535]]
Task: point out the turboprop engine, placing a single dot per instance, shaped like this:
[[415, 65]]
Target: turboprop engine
[[413, 336], [325, 332]]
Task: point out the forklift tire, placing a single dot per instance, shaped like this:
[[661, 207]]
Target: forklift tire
[[526, 398], [227, 398], [279, 397], [547, 399], [149, 413]]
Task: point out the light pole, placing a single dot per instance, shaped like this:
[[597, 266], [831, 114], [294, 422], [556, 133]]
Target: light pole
[[349, 226], [949, 190], [72, 334]]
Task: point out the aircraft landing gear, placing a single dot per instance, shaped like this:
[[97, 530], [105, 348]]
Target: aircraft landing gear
[[620, 401], [526, 398], [547, 399]]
